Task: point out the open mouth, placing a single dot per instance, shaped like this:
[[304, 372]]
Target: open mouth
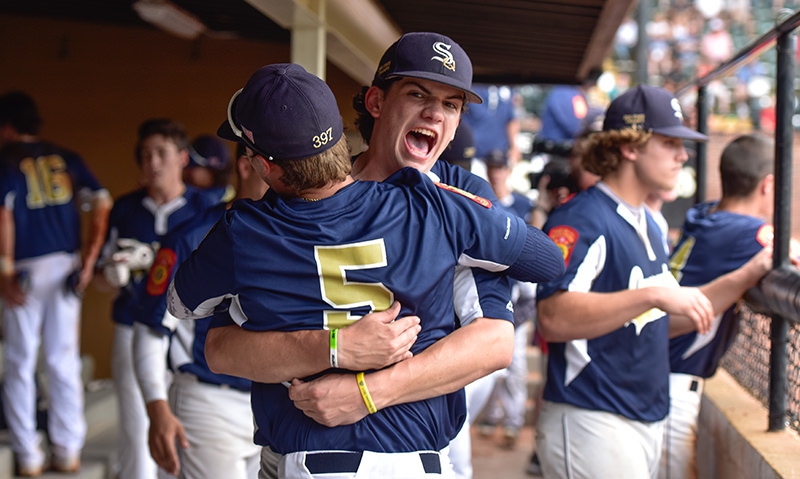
[[421, 141]]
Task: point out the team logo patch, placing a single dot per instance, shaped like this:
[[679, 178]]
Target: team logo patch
[[477, 199], [161, 272], [765, 235], [445, 56], [565, 238]]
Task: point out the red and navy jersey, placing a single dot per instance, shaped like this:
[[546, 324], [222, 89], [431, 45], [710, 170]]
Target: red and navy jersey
[[626, 371], [296, 265], [712, 243], [43, 184], [187, 338], [135, 215]]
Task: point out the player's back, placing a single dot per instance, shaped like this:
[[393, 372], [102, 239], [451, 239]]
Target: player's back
[[43, 182]]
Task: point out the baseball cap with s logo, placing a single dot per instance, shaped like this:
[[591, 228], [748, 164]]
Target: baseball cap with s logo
[[428, 56]]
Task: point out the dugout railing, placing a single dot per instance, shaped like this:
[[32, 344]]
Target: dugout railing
[[778, 294]]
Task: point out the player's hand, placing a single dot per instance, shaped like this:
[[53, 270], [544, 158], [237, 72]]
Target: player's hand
[[760, 264], [13, 292], [134, 254], [377, 340], [691, 303], [331, 400], [165, 431]]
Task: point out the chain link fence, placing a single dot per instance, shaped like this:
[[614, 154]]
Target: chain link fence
[[748, 361]]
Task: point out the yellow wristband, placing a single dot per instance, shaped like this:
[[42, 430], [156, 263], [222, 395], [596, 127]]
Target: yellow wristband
[[334, 348], [362, 386]]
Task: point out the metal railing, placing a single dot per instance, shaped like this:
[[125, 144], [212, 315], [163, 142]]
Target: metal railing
[[778, 295]]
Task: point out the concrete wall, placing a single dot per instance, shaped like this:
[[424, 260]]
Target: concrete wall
[[733, 441], [94, 84]]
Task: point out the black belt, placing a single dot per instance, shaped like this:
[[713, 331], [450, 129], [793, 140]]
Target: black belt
[[343, 462], [694, 385]]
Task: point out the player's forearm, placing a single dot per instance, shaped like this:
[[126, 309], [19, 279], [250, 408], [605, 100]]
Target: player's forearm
[[101, 208], [566, 316], [6, 240], [446, 366], [267, 356], [724, 291]]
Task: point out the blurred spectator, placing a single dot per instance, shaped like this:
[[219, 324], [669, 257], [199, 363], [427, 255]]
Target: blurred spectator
[[494, 122]]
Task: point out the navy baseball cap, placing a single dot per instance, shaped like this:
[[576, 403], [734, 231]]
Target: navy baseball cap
[[649, 108], [429, 56], [462, 149], [209, 152], [284, 112]]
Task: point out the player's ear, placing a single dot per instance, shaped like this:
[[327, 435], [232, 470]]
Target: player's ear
[[184, 154], [373, 101], [628, 151], [767, 185]]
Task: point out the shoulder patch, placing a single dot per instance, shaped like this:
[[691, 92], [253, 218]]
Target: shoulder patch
[[765, 235], [161, 272], [477, 199], [565, 238]]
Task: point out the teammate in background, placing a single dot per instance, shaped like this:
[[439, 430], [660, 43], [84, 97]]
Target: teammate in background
[[207, 413], [408, 116], [565, 111], [461, 151], [210, 167], [307, 168], [43, 274], [508, 393], [608, 320], [138, 223], [494, 122], [717, 237]]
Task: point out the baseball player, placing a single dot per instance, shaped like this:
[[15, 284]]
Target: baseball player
[[716, 238], [407, 116], [608, 319], [334, 249], [210, 167], [44, 272], [137, 224], [208, 415]]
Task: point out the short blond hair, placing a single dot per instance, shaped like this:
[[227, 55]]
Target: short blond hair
[[602, 153], [331, 166]]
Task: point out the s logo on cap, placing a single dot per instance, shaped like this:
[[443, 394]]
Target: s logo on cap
[[676, 107], [446, 57]]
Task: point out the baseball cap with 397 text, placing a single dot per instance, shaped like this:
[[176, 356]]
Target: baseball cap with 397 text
[[285, 113]]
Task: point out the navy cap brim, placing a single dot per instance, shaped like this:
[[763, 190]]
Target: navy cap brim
[[472, 97], [225, 131], [682, 132]]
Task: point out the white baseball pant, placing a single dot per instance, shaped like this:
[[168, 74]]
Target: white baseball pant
[[50, 317], [575, 443], [219, 425], [679, 455]]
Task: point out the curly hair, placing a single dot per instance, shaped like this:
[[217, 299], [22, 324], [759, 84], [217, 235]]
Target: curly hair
[[602, 153]]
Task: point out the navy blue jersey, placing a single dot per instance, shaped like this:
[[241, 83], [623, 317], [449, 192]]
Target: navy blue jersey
[[478, 293], [135, 215], [489, 120], [42, 183], [712, 243], [626, 371], [188, 338], [518, 204], [321, 265]]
